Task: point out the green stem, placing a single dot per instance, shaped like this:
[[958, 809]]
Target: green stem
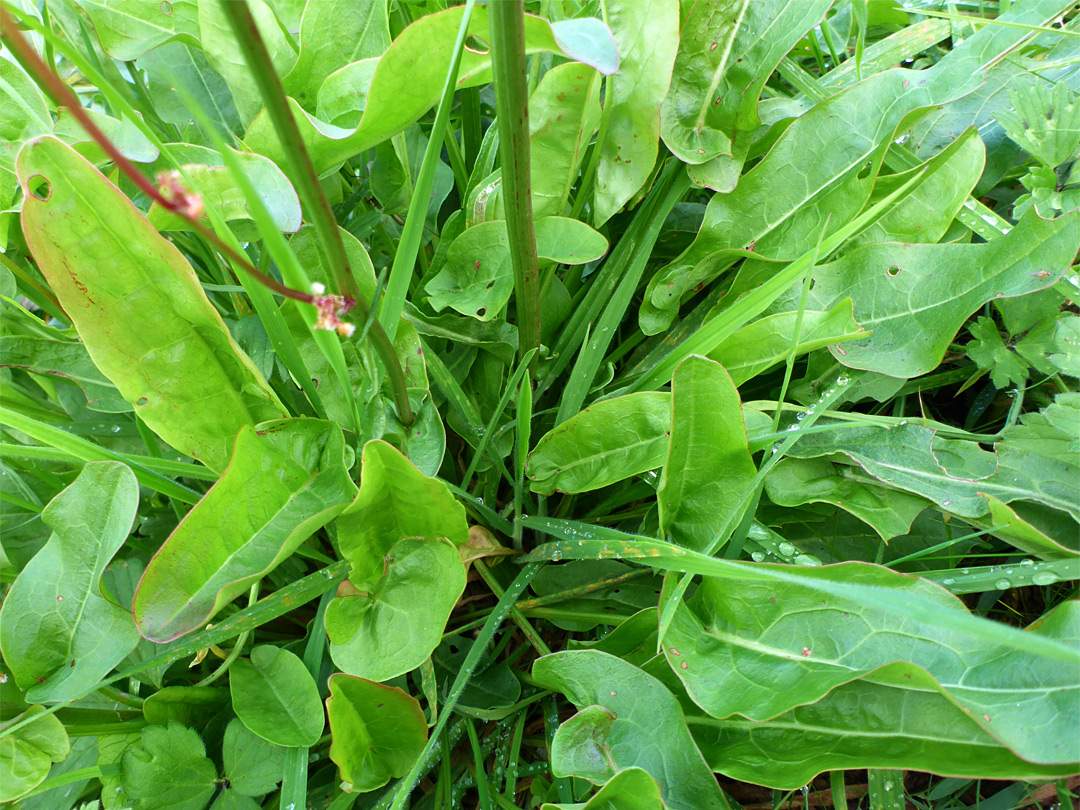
[[307, 181], [507, 25]]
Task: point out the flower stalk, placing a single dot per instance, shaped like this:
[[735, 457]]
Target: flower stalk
[[507, 26], [303, 173]]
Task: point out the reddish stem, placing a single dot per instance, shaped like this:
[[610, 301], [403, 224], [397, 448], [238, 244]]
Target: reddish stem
[[63, 96]]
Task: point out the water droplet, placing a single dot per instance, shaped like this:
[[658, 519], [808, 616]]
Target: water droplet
[[965, 571], [1002, 584], [807, 559], [757, 556], [114, 429], [1008, 572], [949, 581], [1026, 562], [1044, 578], [800, 416], [786, 549], [888, 786]]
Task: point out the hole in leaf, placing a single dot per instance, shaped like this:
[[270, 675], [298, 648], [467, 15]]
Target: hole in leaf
[[480, 313], [142, 401], [166, 7], [893, 271], [473, 44], [489, 285], [865, 172], [40, 188]]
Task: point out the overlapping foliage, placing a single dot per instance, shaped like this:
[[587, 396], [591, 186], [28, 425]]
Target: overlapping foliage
[[790, 486]]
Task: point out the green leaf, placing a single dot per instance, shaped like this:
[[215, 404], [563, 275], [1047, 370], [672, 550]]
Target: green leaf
[[394, 628], [626, 719], [192, 706], [287, 479], [746, 647], [793, 482], [252, 765], [955, 474], [647, 34], [583, 541], [23, 113], [129, 28], [276, 697], [727, 51], [187, 66], [396, 500], [564, 111], [926, 731], [127, 137], [709, 472], [1045, 121], [478, 278], [610, 440], [218, 189], [988, 351], [174, 360], [630, 789], [225, 56], [168, 770], [27, 754], [914, 298], [68, 360], [409, 80], [378, 731], [333, 35], [926, 214], [111, 749], [59, 633], [760, 345], [778, 206]]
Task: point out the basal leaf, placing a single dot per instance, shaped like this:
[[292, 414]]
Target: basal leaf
[[378, 731], [727, 50], [955, 474], [409, 79], [332, 35], [69, 360], [766, 342], [926, 214], [129, 28], [218, 189], [59, 633], [914, 298], [396, 500], [647, 34], [174, 360], [275, 696], [626, 719], [27, 754], [225, 56], [394, 627], [709, 471], [286, 480], [926, 731], [478, 278], [630, 789], [564, 111], [128, 138], [610, 440], [746, 647], [192, 706], [23, 113], [793, 482], [179, 62]]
